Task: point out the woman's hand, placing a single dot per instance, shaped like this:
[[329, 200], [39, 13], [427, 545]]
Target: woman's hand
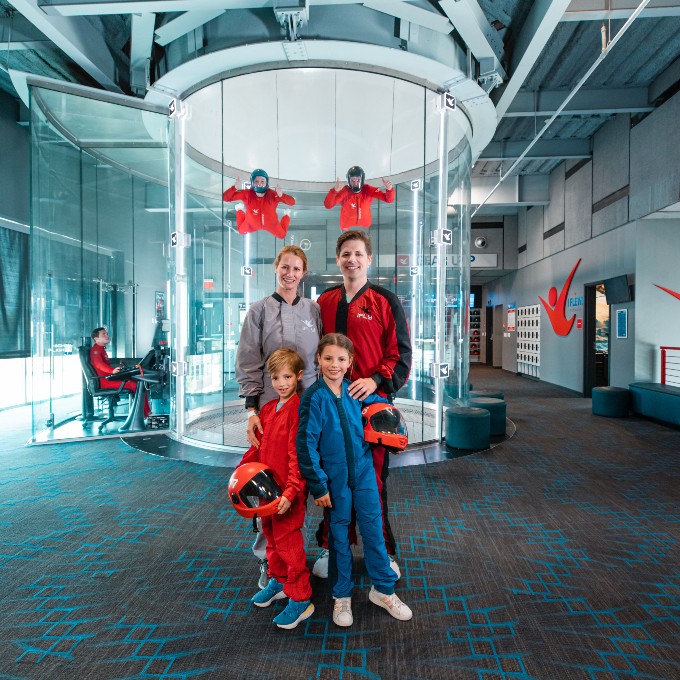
[[387, 183], [338, 184], [324, 501], [279, 191], [254, 425], [284, 506]]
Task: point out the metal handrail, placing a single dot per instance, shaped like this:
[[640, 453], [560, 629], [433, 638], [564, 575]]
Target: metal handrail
[[664, 363]]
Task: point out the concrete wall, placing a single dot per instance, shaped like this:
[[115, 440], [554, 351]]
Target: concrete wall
[[14, 162], [605, 256], [657, 313], [592, 216], [654, 166]]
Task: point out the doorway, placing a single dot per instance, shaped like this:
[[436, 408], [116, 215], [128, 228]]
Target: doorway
[[489, 336], [596, 338]]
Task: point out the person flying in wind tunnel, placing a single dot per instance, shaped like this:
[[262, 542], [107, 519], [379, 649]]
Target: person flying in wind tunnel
[[260, 202], [356, 198]]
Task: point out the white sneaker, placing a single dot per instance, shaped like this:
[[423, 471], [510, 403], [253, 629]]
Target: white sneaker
[[395, 567], [392, 603], [320, 567], [342, 611]]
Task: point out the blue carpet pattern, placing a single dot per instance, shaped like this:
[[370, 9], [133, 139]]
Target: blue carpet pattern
[[554, 556]]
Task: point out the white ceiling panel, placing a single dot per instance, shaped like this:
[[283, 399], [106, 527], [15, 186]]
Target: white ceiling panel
[[408, 126], [364, 123], [306, 124], [251, 137]]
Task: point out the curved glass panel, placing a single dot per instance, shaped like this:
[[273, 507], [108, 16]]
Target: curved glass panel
[[99, 235], [397, 135]]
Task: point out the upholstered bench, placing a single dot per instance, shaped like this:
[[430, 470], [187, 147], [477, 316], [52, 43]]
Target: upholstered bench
[[654, 400], [490, 394], [496, 409], [467, 427], [610, 401]]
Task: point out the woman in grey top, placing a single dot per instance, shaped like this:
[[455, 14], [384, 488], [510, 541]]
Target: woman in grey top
[[283, 319]]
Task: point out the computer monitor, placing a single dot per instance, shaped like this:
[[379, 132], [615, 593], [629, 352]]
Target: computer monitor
[[616, 290], [149, 361]]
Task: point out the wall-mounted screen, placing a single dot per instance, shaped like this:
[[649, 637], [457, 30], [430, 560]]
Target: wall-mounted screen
[[616, 290]]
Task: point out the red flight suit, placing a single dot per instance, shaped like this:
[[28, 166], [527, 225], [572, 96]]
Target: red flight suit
[[99, 360], [285, 547], [356, 208], [260, 211]]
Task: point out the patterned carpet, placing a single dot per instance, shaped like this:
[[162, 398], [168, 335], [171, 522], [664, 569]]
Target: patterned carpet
[[554, 556]]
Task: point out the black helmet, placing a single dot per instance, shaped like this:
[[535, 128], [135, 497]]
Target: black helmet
[[259, 173], [356, 171]]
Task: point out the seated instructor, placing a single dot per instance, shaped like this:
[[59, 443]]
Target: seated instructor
[[99, 360], [373, 319]]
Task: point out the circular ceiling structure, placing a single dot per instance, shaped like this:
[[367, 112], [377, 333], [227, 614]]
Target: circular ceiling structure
[[308, 125]]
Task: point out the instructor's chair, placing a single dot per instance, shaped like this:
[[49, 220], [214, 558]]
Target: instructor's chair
[[109, 394]]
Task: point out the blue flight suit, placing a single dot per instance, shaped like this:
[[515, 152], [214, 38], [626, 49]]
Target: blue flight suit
[[334, 458]]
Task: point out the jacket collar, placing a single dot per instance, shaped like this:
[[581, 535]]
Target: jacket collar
[[279, 299]]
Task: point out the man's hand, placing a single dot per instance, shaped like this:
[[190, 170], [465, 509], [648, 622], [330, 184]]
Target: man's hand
[[279, 191], [118, 369], [254, 425], [324, 501], [338, 184], [362, 387], [283, 506], [387, 183]]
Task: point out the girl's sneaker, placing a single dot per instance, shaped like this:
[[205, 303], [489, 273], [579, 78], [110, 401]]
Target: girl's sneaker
[[392, 603], [273, 591], [294, 613], [342, 611]]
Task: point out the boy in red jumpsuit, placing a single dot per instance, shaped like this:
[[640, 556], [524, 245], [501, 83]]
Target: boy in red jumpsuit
[[99, 360], [288, 572], [260, 202], [356, 198]]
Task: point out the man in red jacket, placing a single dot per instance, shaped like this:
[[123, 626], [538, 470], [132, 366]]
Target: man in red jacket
[[99, 360], [373, 319], [356, 198], [260, 202]]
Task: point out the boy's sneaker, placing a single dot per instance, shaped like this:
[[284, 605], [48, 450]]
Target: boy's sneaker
[[392, 603], [394, 566], [294, 613], [320, 567], [342, 611], [264, 579], [273, 591]]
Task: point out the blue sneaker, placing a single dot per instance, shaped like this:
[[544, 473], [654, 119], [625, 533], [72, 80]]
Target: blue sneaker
[[294, 613], [273, 591]]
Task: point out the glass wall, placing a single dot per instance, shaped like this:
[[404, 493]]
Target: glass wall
[[99, 245], [111, 180], [225, 272]]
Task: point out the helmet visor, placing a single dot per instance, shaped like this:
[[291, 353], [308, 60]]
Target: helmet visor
[[389, 421], [260, 490]]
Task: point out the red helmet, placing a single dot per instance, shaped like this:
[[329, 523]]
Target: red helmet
[[253, 490], [384, 425]]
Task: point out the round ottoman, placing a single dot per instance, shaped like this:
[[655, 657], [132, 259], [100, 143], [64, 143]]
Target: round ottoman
[[491, 394], [496, 409], [467, 427], [612, 402]]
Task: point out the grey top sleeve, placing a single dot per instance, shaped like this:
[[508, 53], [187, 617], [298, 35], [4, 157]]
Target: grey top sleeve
[[250, 357]]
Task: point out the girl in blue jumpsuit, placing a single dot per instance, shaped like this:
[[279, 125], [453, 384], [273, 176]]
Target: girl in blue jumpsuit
[[338, 466]]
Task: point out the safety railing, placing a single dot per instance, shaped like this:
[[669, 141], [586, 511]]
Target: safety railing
[[670, 366]]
